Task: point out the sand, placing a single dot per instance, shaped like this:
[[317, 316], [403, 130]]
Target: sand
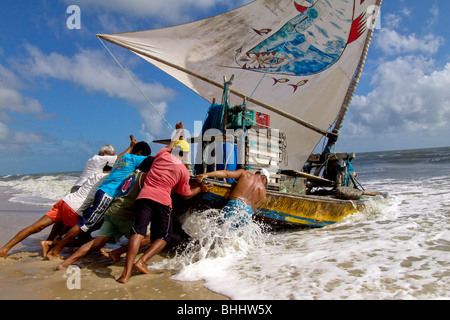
[[26, 275]]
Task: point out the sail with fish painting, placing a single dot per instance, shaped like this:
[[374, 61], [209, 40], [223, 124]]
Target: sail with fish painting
[[310, 45], [298, 61]]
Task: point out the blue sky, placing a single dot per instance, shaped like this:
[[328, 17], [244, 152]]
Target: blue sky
[[62, 96]]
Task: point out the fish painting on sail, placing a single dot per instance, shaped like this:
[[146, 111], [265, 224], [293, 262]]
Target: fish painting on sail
[[309, 43], [262, 31]]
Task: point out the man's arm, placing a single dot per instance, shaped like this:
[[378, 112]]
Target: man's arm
[[203, 187], [128, 150], [180, 130], [221, 174]]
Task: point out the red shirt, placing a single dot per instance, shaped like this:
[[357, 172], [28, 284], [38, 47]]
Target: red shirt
[[167, 172]]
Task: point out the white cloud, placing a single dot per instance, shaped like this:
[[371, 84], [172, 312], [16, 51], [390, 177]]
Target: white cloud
[[391, 21], [12, 100], [409, 103], [434, 11], [4, 132], [409, 96], [15, 140], [90, 69], [391, 42]]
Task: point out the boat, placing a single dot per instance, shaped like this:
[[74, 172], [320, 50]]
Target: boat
[[286, 72]]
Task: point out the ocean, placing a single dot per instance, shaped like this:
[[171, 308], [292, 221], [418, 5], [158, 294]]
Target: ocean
[[396, 248]]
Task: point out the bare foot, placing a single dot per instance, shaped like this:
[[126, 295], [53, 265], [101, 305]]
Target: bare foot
[[61, 266], [3, 253], [114, 256], [52, 256], [141, 267], [45, 245], [103, 252], [124, 277]]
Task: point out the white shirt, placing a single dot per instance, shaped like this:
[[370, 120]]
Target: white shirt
[[95, 165], [82, 199]]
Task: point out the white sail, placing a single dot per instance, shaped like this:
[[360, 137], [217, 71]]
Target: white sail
[[296, 55]]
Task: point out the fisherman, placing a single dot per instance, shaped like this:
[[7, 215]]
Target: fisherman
[[67, 211], [154, 203], [93, 216], [248, 192], [94, 165], [106, 154], [118, 218]]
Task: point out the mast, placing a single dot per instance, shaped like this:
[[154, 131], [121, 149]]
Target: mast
[[352, 88]]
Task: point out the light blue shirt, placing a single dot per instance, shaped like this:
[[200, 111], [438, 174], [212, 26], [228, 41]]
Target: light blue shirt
[[124, 165]]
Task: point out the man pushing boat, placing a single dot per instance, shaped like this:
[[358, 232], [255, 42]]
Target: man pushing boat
[[154, 203], [248, 192]]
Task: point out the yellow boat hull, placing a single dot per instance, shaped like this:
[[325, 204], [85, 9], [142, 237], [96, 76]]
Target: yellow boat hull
[[283, 209]]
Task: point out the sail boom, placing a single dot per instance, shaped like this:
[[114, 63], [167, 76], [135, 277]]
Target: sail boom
[[264, 105], [289, 116]]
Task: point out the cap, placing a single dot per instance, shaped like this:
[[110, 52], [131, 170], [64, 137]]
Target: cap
[[183, 144], [264, 172]]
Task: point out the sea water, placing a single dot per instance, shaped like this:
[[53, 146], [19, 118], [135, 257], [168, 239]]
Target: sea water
[[396, 248]]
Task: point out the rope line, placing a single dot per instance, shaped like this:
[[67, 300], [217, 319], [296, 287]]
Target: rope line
[[136, 85]]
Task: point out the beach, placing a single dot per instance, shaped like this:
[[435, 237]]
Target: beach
[[396, 248], [25, 275]]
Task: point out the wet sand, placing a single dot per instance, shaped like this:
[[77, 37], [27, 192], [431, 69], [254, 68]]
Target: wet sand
[[25, 275]]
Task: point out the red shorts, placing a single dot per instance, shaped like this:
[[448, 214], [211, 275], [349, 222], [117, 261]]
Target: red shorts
[[62, 212]]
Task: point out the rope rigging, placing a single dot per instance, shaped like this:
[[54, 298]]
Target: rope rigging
[[136, 85]]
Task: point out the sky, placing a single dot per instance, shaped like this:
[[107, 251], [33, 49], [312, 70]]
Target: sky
[[62, 96]]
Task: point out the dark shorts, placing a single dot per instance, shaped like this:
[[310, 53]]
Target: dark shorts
[[160, 217], [93, 217]]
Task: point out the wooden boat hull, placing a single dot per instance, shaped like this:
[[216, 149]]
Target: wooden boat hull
[[283, 209]]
